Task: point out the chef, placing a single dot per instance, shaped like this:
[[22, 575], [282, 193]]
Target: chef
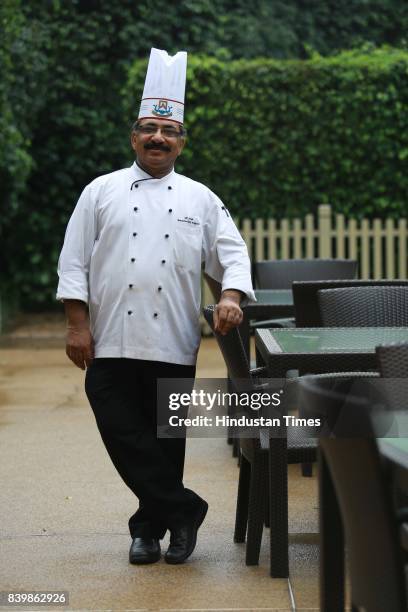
[[130, 277]]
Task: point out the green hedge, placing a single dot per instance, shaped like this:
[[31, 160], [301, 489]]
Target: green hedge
[[276, 138]]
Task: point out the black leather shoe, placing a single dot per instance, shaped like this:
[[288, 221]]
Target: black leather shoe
[[144, 550], [184, 538]]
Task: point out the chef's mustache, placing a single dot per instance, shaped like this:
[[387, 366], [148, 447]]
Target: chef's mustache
[[157, 147]]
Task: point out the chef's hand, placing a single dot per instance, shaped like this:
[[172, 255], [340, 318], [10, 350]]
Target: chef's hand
[[79, 346], [227, 313], [79, 342]]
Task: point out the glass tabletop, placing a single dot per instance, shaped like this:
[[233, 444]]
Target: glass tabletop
[[359, 339], [276, 297], [396, 451], [400, 444]]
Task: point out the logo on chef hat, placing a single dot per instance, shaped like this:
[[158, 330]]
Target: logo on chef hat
[[162, 109], [165, 84]]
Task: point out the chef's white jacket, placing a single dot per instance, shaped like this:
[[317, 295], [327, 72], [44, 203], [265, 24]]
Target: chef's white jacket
[[133, 250]]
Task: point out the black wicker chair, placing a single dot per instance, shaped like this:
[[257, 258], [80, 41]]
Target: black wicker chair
[[355, 495], [306, 302], [280, 274], [393, 360], [254, 476], [364, 306]]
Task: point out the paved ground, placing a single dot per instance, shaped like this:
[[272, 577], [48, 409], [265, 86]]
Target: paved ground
[[64, 509]]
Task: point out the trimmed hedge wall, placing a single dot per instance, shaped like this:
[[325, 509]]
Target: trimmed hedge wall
[[277, 138]]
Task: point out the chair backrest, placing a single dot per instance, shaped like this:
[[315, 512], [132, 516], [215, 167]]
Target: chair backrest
[[370, 526], [235, 358], [305, 296], [393, 364], [280, 274], [233, 352], [364, 307], [393, 360], [365, 502]]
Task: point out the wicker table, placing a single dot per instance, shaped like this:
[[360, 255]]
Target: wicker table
[[316, 350], [309, 350]]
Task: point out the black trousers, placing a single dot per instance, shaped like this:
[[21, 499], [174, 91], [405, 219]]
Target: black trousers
[[123, 397]]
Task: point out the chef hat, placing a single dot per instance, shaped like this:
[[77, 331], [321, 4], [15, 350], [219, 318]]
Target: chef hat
[[163, 94]]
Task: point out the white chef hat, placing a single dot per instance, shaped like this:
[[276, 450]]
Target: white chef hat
[[165, 84]]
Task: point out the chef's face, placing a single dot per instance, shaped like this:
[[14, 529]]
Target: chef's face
[[157, 144]]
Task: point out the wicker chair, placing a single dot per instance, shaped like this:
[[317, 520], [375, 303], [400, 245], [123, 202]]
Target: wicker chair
[[280, 274], [254, 476], [393, 360], [360, 500], [306, 302], [364, 306]]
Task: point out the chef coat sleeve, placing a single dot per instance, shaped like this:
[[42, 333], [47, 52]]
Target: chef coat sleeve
[[225, 252], [74, 260]]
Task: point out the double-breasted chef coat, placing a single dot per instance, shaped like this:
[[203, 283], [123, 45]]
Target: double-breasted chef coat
[[133, 250]]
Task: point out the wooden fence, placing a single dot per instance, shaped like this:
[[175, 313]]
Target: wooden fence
[[380, 246]]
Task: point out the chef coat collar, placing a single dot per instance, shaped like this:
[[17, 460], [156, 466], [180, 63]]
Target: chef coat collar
[[142, 174]]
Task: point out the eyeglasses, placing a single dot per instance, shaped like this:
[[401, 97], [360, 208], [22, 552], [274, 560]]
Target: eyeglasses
[[167, 131]]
